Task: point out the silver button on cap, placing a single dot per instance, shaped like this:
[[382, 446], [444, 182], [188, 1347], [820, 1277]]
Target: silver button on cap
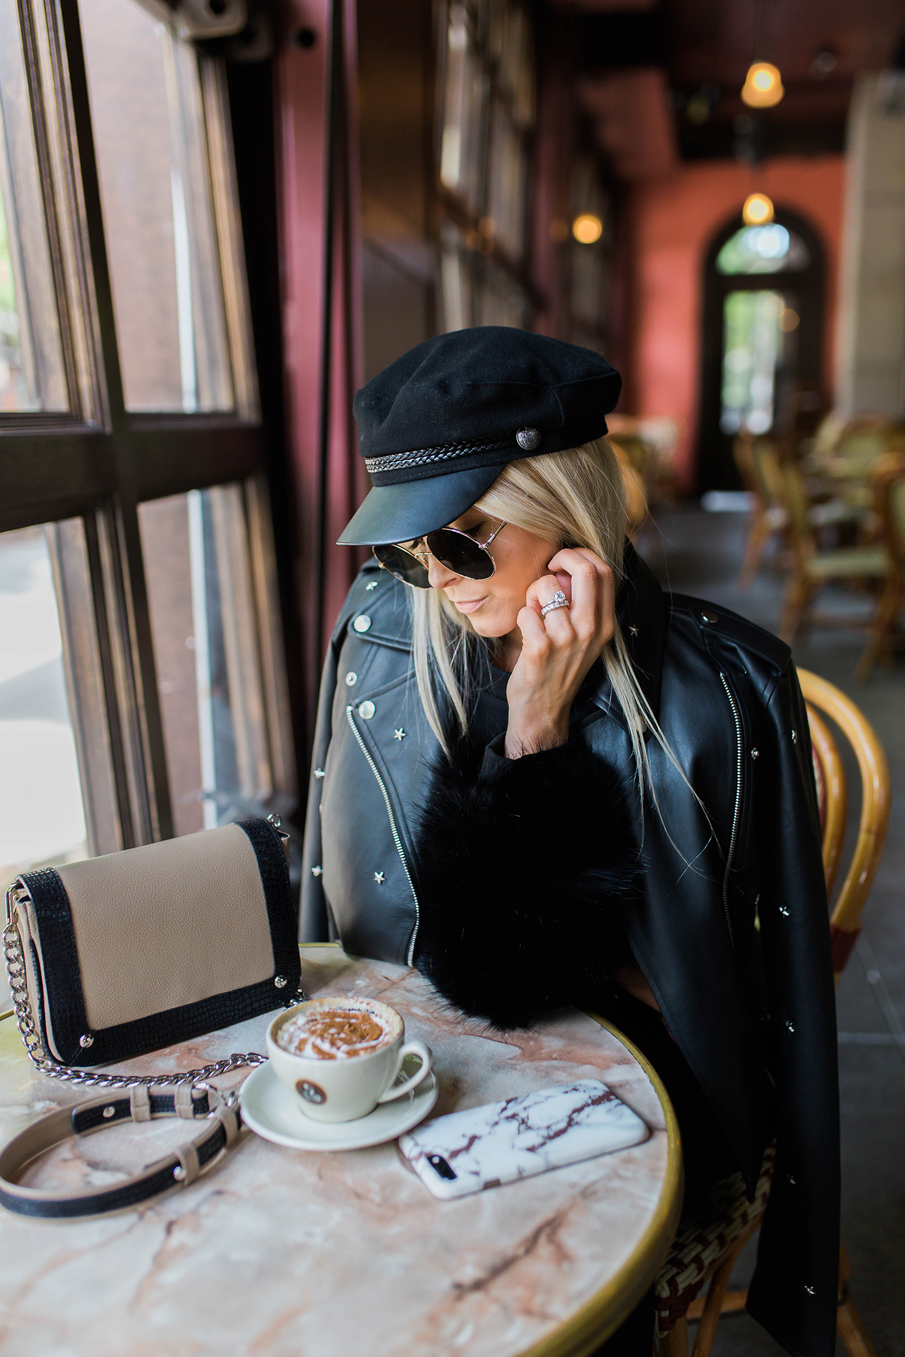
[[366, 710], [527, 439], [362, 623]]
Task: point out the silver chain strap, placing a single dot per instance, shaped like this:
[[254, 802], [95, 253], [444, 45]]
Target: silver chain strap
[[34, 1045]]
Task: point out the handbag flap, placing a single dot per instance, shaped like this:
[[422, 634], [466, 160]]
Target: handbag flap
[[168, 924]]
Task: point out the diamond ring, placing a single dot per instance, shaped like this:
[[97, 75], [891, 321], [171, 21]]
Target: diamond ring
[[558, 600]]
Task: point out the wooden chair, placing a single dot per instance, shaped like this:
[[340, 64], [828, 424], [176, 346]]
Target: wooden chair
[[814, 568], [706, 1251], [766, 519], [888, 486]]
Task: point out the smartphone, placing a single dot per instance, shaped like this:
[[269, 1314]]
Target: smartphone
[[500, 1142]]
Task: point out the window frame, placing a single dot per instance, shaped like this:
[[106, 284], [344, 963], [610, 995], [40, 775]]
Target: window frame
[[99, 462]]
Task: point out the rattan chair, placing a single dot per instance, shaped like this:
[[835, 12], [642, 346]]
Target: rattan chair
[[888, 486], [766, 519], [707, 1250], [867, 565]]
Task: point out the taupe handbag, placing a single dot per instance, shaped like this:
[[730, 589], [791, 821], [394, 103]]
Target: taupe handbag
[[127, 953]]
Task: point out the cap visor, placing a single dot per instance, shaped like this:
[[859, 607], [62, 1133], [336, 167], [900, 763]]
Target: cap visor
[[400, 513]]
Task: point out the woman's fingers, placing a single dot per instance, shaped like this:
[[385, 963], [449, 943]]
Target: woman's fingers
[[593, 591], [542, 591]]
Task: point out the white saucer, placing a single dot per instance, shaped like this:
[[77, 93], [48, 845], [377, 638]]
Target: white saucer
[[270, 1110]]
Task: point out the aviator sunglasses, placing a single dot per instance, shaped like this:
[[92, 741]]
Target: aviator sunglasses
[[452, 547]]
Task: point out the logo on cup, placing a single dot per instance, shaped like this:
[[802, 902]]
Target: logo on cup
[[312, 1093]]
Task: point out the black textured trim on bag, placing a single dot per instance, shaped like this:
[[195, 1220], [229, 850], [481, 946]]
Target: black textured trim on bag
[[274, 872], [63, 1006], [173, 1025]]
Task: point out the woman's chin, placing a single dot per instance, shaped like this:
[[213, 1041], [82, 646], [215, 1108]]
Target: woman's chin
[[491, 628]]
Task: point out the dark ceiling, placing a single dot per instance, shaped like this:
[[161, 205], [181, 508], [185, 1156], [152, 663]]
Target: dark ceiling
[[697, 52]]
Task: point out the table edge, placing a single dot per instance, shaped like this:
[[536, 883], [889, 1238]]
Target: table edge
[[600, 1316]]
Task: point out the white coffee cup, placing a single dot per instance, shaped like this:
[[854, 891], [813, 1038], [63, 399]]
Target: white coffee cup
[[334, 1078]]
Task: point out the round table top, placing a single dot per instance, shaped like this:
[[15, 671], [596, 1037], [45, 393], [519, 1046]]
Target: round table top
[[286, 1253]]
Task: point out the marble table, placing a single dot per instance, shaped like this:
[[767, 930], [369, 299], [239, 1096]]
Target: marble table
[[289, 1253]]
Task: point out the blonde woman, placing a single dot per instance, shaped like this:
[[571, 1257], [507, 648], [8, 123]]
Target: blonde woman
[[544, 782]]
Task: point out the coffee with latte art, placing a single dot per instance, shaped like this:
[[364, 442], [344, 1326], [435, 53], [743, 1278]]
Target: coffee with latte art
[[351, 1028]]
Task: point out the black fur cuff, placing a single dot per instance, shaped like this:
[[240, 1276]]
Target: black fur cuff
[[524, 868]]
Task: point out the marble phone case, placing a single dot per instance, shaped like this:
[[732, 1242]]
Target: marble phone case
[[482, 1147]]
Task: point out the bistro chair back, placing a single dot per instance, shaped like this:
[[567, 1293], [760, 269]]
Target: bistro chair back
[[766, 518], [888, 485], [812, 568], [706, 1250], [825, 700]]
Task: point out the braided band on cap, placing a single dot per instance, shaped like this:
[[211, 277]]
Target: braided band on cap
[[398, 461]]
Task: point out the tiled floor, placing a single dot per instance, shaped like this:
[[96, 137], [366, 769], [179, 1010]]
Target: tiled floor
[[700, 553]]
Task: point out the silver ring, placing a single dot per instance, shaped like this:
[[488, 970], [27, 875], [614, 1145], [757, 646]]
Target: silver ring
[[558, 600]]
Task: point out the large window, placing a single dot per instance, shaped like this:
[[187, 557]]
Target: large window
[[486, 119], [142, 685]]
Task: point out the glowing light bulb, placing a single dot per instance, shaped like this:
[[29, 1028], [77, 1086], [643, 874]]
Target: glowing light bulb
[[587, 228], [758, 210], [763, 86]]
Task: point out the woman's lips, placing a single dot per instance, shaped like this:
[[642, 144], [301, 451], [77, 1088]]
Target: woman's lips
[[469, 605]]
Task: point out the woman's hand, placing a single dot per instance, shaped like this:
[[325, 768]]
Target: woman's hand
[[559, 649]]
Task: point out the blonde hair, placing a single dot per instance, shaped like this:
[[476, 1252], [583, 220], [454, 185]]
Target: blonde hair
[[576, 498]]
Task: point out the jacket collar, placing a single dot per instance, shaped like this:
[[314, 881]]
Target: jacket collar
[[643, 615]]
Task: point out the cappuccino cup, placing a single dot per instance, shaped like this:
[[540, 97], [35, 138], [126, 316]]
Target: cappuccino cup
[[340, 1057]]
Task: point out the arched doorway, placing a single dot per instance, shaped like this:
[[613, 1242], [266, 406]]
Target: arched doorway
[[762, 335]]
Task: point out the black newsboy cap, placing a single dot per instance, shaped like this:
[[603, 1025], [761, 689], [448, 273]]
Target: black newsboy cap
[[438, 425]]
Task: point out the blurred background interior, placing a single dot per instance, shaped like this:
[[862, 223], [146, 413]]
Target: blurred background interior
[[219, 217]]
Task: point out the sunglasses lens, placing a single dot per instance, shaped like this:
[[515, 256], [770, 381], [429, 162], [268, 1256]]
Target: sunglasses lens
[[403, 565], [460, 554]]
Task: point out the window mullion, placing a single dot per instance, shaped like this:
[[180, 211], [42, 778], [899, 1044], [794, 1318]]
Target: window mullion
[[119, 557], [122, 611]]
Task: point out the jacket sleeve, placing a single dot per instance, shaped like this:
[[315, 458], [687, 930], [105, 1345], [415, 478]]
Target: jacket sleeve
[[793, 1291], [523, 869]]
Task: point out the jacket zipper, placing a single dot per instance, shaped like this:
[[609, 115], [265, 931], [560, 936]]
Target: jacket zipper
[[738, 803], [410, 955]]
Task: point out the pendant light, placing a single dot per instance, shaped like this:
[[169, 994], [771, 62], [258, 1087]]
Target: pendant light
[[757, 210], [763, 84], [763, 87]]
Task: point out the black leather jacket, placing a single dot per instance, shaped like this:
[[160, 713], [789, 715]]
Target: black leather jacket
[[731, 926]]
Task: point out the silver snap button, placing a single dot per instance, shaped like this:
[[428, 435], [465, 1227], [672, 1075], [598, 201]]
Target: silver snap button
[[109, 1112], [280, 981], [366, 710], [351, 679], [755, 753], [362, 623], [527, 439], [179, 1173], [86, 1041]]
